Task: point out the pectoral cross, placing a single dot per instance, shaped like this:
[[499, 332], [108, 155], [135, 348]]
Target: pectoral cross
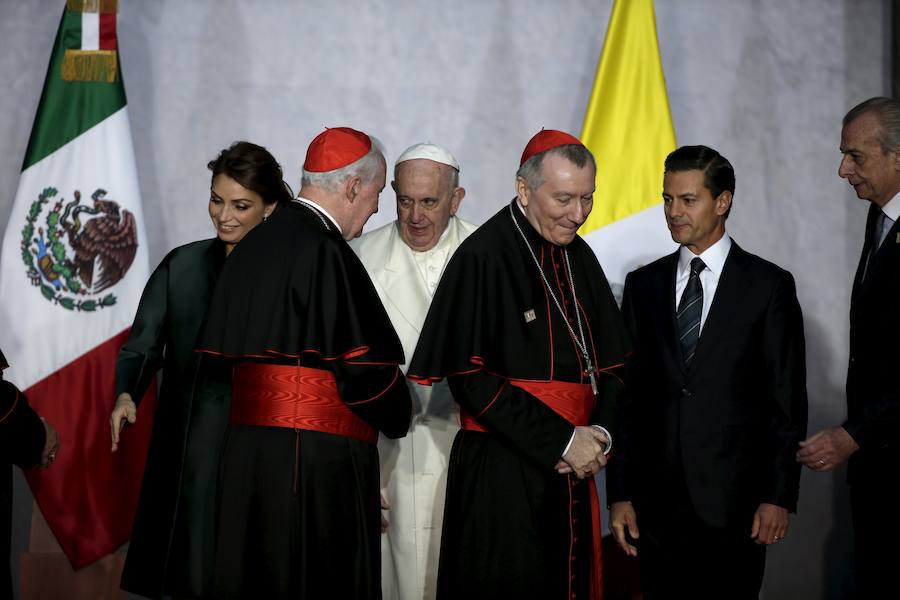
[[589, 373]]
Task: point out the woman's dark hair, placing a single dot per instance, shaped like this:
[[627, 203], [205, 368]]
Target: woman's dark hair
[[254, 168]]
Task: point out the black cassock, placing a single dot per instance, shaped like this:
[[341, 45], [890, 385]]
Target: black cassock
[[22, 440], [513, 526], [299, 508]]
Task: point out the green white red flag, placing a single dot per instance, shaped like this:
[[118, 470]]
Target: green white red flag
[[73, 265]]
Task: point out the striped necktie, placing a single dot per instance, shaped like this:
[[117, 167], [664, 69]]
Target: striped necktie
[[690, 309]]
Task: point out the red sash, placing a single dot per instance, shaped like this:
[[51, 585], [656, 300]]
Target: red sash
[[574, 402], [296, 397]]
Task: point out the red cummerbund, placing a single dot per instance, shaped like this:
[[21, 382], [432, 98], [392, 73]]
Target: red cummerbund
[[572, 401], [296, 397]]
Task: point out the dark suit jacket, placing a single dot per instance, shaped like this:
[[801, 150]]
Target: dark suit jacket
[[730, 423], [873, 385]]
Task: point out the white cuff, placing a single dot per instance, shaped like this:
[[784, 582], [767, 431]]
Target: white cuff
[[599, 427], [569, 445], [608, 436]]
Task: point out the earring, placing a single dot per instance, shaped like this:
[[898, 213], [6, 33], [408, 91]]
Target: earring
[[265, 217]]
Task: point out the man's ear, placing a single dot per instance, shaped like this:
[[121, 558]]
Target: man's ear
[[455, 199], [723, 202], [522, 191], [352, 187], [896, 152]]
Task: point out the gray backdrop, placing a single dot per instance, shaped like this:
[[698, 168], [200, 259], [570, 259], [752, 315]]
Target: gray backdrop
[[766, 82]]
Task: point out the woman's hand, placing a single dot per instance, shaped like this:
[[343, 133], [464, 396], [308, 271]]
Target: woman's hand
[[125, 410]]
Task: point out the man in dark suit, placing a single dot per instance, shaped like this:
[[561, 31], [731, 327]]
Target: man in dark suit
[[717, 390], [870, 437]]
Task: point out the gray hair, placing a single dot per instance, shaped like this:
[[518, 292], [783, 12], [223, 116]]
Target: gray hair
[[887, 110], [366, 168], [453, 179], [531, 170]]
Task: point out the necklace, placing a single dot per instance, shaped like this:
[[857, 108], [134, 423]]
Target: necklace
[[582, 345]]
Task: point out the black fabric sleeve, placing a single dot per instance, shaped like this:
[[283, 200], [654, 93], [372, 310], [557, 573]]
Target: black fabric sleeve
[[513, 414], [610, 388], [22, 433], [785, 363], [617, 487], [376, 393], [141, 356], [877, 425]]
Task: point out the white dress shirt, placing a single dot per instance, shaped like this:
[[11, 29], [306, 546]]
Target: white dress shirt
[[714, 259]]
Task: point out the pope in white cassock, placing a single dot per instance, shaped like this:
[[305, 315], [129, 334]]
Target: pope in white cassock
[[405, 260]]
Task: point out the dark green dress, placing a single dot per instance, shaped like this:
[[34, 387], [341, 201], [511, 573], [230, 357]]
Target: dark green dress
[[172, 541]]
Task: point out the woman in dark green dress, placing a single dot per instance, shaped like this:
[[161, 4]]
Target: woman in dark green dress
[[172, 542]]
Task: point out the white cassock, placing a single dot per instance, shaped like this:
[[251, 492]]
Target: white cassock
[[413, 468]]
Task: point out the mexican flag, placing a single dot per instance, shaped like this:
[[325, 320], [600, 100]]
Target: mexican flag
[[72, 268]]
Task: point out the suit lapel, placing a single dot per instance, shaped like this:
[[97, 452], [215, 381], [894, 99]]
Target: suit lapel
[[882, 255], [667, 299], [863, 265]]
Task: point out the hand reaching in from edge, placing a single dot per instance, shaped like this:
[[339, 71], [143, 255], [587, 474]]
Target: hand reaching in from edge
[[124, 411]]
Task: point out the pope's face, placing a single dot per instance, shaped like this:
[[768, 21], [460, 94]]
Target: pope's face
[[563, 201], [426, 199], [694, 217]]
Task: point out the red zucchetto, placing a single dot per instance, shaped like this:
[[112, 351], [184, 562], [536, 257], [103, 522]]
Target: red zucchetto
[[335, 148], [546, 139]]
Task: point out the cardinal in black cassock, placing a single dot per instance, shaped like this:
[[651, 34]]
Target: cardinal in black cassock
[[315, 376], [526, 330]]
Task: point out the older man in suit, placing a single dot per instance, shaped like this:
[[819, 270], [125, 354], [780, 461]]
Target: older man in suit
[[405, 260], [870, 436], [705, 474]]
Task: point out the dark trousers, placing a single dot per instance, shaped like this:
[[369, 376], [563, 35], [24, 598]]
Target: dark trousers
[[875, 507], [683, 557]]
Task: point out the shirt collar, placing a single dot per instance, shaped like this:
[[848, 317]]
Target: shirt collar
[[713, 257], [323, 211], [892, 208]]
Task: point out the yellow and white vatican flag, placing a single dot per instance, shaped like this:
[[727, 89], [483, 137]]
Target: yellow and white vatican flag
[[73, 266], [629, 129]]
